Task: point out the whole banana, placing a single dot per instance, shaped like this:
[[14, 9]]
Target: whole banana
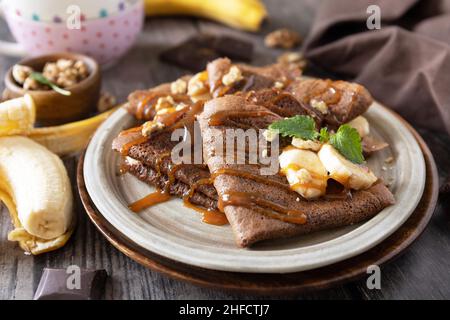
[[241, 14], [36, 189]]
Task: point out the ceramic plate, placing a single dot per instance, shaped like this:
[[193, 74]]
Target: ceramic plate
[[176, 232]]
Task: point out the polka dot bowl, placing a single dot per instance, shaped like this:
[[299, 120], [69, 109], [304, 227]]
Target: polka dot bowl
[[105, 39]]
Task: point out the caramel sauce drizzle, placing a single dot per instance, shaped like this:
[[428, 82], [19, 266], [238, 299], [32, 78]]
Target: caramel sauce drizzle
[[210, 216], [249, 175], [127, 146], [253, 201], [149, 200]]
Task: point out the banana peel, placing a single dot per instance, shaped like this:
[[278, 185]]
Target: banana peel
[[241, 14], [69, 138]]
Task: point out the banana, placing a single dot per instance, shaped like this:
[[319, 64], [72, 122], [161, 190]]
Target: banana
[[242, 14], [36, 188], [361, 125], [304, 172], [32, 244], [306, 144], [69, 138], [347, 173], [17, 116]]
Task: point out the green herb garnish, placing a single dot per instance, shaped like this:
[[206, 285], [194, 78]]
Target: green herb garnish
[[302, 127], [39, 77], [346, 140]]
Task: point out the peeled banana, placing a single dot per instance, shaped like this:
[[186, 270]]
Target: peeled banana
[[242, 14], [304, 171], [347, 173], [35, 187], [17, 116]]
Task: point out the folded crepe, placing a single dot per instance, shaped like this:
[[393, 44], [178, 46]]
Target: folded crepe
[[248, 224], [150, 161]]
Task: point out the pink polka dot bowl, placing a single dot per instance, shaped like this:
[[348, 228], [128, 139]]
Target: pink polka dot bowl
[[105, 39]]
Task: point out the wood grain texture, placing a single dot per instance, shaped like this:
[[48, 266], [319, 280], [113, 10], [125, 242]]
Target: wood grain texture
[[422, 272]]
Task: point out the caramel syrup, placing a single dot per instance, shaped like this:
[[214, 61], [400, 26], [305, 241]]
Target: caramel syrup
[[150, 200]]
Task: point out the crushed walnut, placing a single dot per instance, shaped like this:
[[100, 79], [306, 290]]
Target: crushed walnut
[[63, 73], [178, 87], [234, 75], [319, 105], [151, 126], [164, 102], [293, 58], [278, 85], [197, 87], [20, 73], [283, 38]]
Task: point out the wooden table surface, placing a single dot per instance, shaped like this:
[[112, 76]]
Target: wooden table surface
[[421, 272]]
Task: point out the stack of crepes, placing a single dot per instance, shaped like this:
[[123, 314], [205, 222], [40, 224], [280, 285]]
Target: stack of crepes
[[236, 96]]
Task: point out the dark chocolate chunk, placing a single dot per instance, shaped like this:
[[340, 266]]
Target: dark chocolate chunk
[[71, 284], [194, 53], [233, 48]]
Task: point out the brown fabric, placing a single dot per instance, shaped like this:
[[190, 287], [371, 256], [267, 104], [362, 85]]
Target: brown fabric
[[405, 64], [248, 225]]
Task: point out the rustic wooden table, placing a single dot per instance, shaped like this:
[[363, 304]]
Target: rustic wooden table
[[422, 272]]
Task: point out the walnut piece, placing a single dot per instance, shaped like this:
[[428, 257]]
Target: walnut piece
[[20, 73], [31, 84], [178, 87], [293, 58], [151, 126], [164, 103], [282, 38], [319, 105], [234, 75], [197, 85]]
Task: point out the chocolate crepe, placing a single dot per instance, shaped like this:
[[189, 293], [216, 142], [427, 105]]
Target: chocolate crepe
[[345, 100], [250, 226]]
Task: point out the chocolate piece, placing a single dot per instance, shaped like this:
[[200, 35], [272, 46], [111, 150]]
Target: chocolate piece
[[65, 284], [233, 48], [194, 53]]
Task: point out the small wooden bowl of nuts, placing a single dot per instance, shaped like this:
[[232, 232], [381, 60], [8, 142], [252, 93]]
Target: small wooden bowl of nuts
[[64, 86]]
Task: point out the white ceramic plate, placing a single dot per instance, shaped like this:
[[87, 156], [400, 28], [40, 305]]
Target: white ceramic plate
[[176, 232]]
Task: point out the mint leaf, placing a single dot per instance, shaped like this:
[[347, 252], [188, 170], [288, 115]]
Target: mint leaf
[[302, 127], [324, 135], [348, 142], [39, 77]]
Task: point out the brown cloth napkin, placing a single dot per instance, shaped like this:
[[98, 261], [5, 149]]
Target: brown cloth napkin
[[405, 64]]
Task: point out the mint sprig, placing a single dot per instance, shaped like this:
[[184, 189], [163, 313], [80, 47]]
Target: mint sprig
[[39, 77], [346, 140], [302, 127]]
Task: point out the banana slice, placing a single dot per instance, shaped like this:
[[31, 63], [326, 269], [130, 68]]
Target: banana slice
[[304, 172], [347, 173], [306, 144], [37, 182], [17, 116], [361, 125]]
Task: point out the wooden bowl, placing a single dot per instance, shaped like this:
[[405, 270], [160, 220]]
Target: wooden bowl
[[54, 108]]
